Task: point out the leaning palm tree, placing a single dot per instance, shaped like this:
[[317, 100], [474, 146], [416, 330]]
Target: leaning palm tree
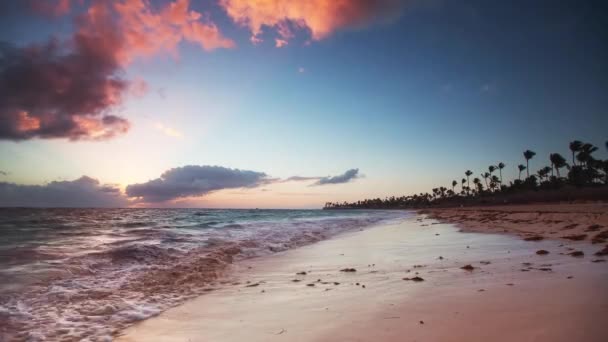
[[528, 155], [557, 161], [454, 183], [501, 166], [468, 173], [521, 168], [575, 146], [584, 155]]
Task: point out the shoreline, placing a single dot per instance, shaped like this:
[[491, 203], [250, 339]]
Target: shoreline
[[509, 295]]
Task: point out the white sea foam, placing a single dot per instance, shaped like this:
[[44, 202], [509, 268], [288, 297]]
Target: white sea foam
[[120, 266]]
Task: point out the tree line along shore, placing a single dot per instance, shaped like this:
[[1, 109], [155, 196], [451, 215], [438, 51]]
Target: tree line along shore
[[581, 177]]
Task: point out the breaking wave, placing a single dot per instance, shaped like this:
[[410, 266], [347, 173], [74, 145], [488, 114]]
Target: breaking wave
[[107, 268]]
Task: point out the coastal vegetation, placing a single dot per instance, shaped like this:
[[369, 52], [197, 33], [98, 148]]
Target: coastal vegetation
[[584, 177]]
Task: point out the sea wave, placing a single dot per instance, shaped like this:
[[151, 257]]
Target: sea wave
[[89, 288]]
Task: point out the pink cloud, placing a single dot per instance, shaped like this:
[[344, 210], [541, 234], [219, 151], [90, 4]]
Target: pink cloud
[[147, 33], [69, 89], [320, 17]]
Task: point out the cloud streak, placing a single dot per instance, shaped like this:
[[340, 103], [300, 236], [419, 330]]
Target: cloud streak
[[83, 192], [320, 18], [70, 89], [347, 176], [195, 180], [174, 184]]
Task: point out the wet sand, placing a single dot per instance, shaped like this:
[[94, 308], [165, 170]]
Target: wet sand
[[512, 293], [568, 222]]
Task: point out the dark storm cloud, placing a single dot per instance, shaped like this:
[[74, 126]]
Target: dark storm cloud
[[195, 180], [83, 192]]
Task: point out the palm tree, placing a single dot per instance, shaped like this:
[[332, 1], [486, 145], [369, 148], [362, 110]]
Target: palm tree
[[584, 155], [501, 166], [468, 173], [521, 168], [454, 183], [477, 183], [543, 173], [493, 182], [528, 155], [492, 168], [485, 178], [462, 185], [575, 146], [557, 161]]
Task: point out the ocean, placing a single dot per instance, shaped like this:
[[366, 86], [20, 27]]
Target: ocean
[[84, 274]]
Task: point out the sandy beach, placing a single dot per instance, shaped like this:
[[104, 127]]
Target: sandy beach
[[422, 279], [569, 222]]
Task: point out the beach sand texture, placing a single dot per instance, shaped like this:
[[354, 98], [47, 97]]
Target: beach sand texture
[[410, 283]]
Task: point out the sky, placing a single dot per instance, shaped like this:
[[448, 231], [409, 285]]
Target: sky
[[288, 104]]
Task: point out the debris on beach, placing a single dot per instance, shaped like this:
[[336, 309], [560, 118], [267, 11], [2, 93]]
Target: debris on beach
[[416, 279], [546, 269], [348, 270], [575, 237], [485, 262], [253, 285], [598, 260], [296, 280], [593, 228], [577, 254], [542, 252], [600, 238], [570, 226], [301, 273], [468, 267], [311, 284], [534, 238], [336, 283], [440, 257], [602, 252]]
